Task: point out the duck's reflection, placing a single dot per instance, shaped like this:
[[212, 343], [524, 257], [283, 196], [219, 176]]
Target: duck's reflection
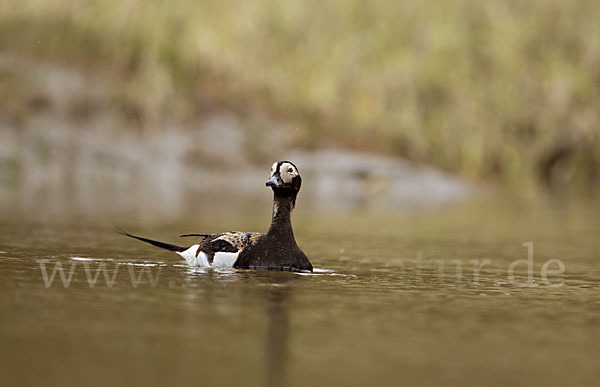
[[277, 332]]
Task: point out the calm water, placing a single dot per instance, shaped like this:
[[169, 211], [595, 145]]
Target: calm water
[[395, 301]]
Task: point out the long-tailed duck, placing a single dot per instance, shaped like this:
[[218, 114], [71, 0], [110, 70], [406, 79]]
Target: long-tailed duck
[[275, 250]]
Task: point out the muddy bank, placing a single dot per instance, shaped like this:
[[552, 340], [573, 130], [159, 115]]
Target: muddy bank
[[74, 148]]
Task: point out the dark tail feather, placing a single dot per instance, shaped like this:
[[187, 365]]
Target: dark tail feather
[[162, 245], [194, 235]]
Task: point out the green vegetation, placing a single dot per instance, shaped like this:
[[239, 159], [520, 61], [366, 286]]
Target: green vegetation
[[505, 91]]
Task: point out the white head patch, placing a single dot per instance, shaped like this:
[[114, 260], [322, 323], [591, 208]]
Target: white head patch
[[287, 172]]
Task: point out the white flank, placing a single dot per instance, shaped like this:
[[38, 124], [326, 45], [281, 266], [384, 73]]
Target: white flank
[[224, 259], [220, 259], [190, 256]]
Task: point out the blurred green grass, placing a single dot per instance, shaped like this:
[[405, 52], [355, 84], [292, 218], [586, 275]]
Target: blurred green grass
[[502, 91]]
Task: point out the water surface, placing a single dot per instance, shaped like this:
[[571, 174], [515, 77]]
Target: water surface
[[395, 301]]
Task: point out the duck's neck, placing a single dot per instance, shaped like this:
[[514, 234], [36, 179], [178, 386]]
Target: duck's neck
[[281, 221]]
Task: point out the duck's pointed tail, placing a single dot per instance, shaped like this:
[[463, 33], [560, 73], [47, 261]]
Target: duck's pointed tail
[[162, 245]]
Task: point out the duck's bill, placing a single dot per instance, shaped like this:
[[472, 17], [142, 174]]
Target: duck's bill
[[275, 181]]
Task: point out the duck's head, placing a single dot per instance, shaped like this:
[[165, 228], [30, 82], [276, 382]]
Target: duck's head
[[285, 178]]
